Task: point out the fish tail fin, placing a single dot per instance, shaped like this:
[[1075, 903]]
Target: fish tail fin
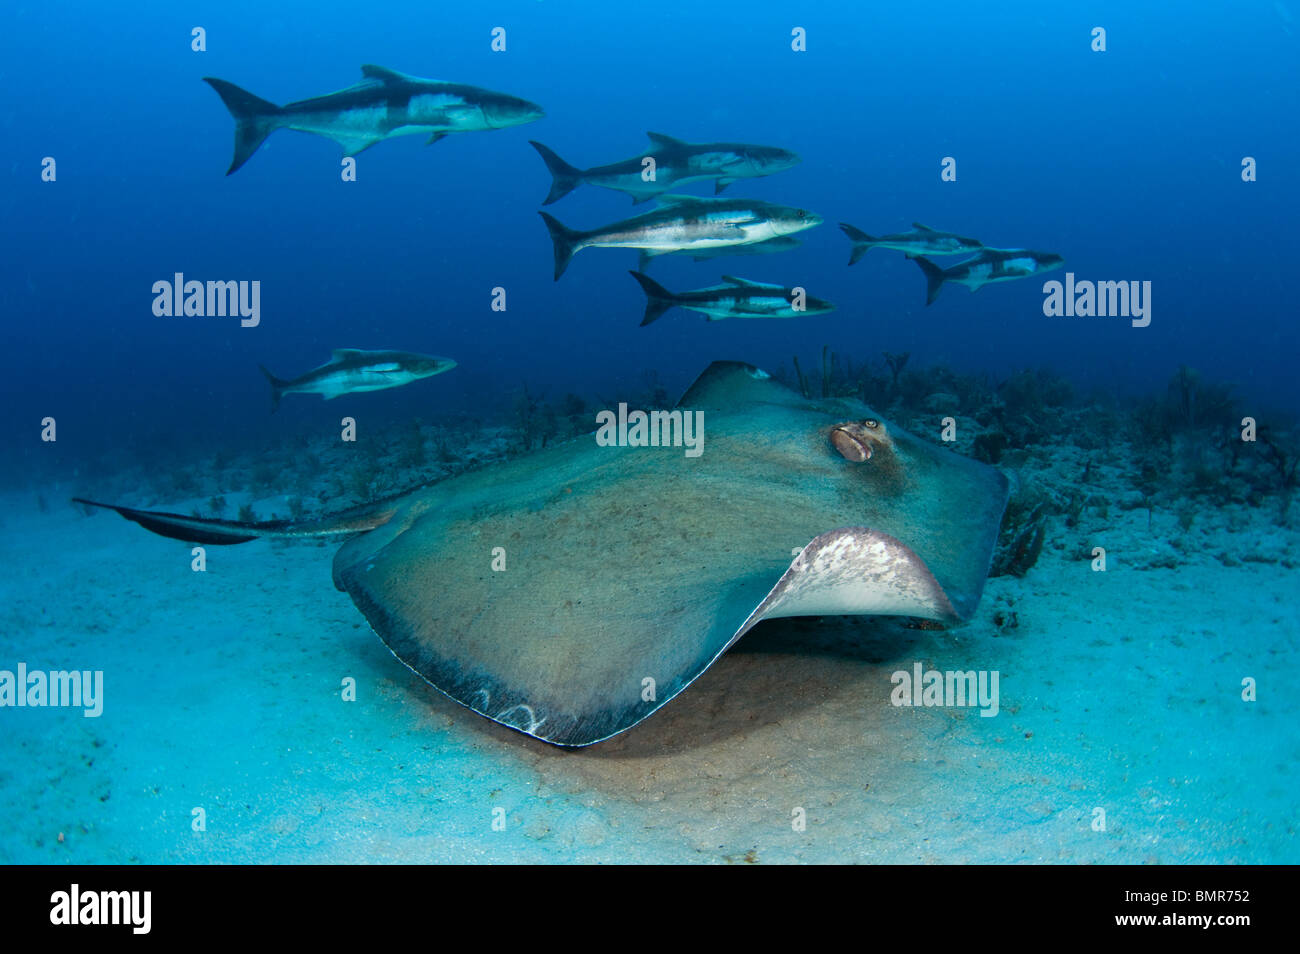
[[933, 278], [564, 177], [657, 298], [277, 388], [861, 241], [566, 241], [255, 119], [229, 532]]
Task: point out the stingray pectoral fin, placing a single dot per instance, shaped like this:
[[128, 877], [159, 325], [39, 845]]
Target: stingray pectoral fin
[[567, 660], [571, 593], [229, 532], [856, 571]]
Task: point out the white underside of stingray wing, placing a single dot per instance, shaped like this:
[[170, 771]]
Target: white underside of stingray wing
[[855, 571]]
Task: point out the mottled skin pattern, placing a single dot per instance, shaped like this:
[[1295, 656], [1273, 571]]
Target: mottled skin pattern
[[631, 563]]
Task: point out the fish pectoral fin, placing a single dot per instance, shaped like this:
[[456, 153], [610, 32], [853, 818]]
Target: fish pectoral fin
[[729, 230], [452, 111], [354, 144], [721, 184], [435, 137]]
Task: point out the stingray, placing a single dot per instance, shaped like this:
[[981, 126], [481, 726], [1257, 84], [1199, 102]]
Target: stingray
[[572, 592]]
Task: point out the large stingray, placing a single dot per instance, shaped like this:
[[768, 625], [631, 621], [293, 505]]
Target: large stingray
[[629, 570]]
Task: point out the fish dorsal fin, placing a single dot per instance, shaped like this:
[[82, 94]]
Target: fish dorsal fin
[[734, 384], [659, 139], [923, 228], [746, 283], [384, 74], [342, 354]]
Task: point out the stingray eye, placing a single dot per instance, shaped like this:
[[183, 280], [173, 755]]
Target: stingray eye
[[872, 423], [849, 446]]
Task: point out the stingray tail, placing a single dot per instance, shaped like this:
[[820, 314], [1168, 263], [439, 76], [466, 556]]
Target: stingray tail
[[657, 298], [255, 119], [564, 177], [933, 278], [229, 532], [861, 241], [277, 388], [566, 241]]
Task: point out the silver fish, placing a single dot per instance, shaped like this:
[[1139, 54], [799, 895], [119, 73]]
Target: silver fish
[[683, 223], [384, 105]]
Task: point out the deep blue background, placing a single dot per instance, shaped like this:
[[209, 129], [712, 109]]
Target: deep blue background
[[1127, 163]]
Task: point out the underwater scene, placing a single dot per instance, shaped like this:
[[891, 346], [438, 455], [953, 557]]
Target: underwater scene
[[555, 432]]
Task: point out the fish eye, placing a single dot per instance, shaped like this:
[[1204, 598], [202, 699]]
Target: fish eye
[[872, 423]]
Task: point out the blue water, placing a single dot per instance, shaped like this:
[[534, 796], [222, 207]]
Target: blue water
[[1126, 162]]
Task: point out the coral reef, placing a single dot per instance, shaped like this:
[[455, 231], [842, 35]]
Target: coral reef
[[1020, 543]]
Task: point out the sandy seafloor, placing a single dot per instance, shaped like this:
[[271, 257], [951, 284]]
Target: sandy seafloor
[[1119, 690]]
